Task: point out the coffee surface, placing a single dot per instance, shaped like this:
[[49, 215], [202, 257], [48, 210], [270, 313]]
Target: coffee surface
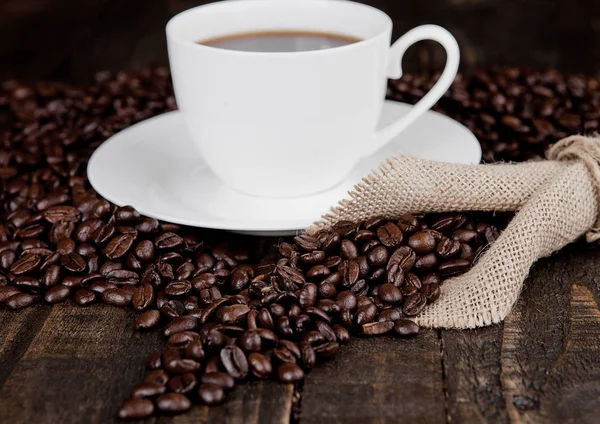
[[280, 41]]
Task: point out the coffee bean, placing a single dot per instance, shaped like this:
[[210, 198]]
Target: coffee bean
[[414, 304], [378, 256], [220, 379], [390, 314], [145, 390], [318, 271], [179, 324], [57, 294], [183, 383], [431, 292], [173, 402], [136, 409], [73, 262], [260, 365], [62, 213], [448, 248], [116, 297], [453, 267], [19, 300], [178, 289], [157, 376], [327, 350], [390, 235], [404, 257], [389, 293], [232, 314], [306, 243], [147, 319], [211, 394], [289, 373], [422, 242], [345, 228], [377, 328], [346, 300], [84, 297], [26, 264], [365, 314], [408, 224], [405, 328], [234, 361], [143, 296], [426, 262], [349, 271], [118, 246], [348, 250]]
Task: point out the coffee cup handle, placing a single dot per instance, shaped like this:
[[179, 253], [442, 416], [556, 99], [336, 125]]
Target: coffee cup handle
[[397, 50]]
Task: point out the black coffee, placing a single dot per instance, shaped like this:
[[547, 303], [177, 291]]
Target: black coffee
[[280, 41]]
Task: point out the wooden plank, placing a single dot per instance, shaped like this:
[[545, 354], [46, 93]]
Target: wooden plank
[[525, 370], [78, 368], [383, 380], [472, 375], [252, 403], [541, 365], [17, 330]]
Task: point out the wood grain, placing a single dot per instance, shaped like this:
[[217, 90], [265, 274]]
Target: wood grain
[[378, 380], [78, 368]]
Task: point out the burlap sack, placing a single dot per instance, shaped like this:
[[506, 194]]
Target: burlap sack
[[556, 200]]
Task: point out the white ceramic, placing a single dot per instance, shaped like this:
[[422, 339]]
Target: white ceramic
[[153, 166], [292, 123]]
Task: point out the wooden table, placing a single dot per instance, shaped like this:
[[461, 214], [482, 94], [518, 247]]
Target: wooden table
[[68, 364]]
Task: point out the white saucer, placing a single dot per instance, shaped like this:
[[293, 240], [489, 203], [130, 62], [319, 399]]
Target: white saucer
[[154, 167]]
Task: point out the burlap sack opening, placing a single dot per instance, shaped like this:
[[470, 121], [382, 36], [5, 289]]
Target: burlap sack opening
[[556, 200]]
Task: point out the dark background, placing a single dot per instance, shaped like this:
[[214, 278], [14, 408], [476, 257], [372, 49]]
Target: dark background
[[72, 39]]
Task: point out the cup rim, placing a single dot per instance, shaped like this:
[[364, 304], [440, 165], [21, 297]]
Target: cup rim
[[171, 24]]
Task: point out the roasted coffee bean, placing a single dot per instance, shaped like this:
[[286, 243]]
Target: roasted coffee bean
[[259, 365], [289, 373], [118, 246], [390, 314], [453, 267], [348, 250], [103, 234], [179, 324], [7, 258], [195, 351], [466, 236], [313, 258], [183, 383], [390, 235], [145, 390], [26, 283], [136, 409], [378, 256], [234, 361], [178, 289], [126, 215], [57, 294], [308, 295], [404, 257], [265, 319], [173, 402], [122, 276], [220, 379], [408, 224], [116, 297], [84, 297], [232, 314], [327, 332], [306, 243], [211, 394], [73, 262], [51, 276], [143, 296], [317, 272], [61, 213], [406, 328], [414, 304], [345, 228], [431, 279], [389, 293], [448, 248], [395, 275], [144, 250], [426, 262], [154, 361], [346, 300], [377, 328], [365, 314], [327, 350], [157, 376], [26, 264], [331, 243], [7, 291], [19, 300], [422, 242], [349, 271], [413, 280], [431, 292]]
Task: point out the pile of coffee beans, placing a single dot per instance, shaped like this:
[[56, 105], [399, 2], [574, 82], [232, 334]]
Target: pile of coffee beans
[[516, 113], [227, 314], [226, 322]]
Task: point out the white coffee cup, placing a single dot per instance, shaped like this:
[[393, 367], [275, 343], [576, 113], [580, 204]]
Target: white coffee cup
[[292, 123]]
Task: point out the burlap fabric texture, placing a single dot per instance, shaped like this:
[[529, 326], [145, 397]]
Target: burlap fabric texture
[[557, 202]]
